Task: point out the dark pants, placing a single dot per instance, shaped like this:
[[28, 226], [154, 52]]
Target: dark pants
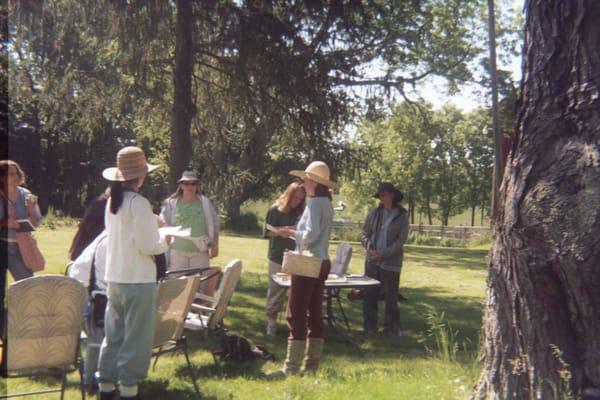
[[304, 312], [389, 285]]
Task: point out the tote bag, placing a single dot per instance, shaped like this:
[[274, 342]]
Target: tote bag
[[30, 252]]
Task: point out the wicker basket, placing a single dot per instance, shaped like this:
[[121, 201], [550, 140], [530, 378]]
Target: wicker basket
[[295, 263]]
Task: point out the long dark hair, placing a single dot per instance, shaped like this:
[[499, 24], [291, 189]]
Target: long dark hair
[[91, 225], [322, 191], [117, 189]]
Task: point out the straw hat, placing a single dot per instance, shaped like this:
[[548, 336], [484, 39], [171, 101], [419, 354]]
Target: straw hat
[[317, 171], [131, 164], [188, 176]]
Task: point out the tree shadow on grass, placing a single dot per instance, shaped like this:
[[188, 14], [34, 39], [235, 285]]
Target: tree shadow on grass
[[160, 389], [447, 257]]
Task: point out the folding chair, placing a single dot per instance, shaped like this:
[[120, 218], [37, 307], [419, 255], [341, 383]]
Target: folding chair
[[174, 300], [44, 321], [210, 318], [339, 266]]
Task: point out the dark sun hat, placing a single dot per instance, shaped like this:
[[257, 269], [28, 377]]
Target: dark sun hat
[[388, 187]]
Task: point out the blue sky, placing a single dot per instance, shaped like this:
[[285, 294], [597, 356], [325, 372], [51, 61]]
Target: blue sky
[[434, 90]]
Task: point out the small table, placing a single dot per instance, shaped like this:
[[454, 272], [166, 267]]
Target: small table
[[332, 286]]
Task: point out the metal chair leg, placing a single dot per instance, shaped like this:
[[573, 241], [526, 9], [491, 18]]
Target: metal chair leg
[[187, 358], [343, 312], [80, 365], [63, 384]]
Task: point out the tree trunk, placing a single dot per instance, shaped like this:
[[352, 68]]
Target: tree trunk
[[411, 208], [429, 213], [544, 270], [473, 215], [183, 108]]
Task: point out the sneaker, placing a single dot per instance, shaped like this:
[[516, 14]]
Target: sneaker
[[271, 327]]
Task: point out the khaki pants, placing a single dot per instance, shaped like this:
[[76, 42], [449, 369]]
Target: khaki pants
[[275, 293], [186, 260]]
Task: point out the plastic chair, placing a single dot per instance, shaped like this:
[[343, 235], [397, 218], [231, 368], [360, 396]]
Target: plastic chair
[[174, 299], [339, 266], [210, 318], [340, 263], [44, 322]]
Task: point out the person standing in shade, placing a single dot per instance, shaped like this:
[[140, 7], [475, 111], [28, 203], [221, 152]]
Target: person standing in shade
[[304, 313], [383, 235], [132, 239], [284, 214], [16, 203], [189, 208]]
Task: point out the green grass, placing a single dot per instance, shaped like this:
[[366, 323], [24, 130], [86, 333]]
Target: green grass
[[450, 280]]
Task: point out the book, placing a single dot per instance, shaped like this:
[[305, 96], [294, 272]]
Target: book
[[25, 225]]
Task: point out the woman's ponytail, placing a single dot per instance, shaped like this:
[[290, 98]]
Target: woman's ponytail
[[116, 196]]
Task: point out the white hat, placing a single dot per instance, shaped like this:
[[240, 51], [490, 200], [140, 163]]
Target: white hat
[[131, 164], [188, 176], [317, 171]]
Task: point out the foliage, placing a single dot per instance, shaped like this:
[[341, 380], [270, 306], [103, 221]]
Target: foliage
[[445, 337], [247, 222], [275, 85], [441, 160]]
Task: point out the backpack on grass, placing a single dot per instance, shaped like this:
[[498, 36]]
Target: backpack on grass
[[238, 348]]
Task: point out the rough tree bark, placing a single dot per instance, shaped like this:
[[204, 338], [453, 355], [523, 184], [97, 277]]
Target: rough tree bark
[[183, 108], [544, 271]]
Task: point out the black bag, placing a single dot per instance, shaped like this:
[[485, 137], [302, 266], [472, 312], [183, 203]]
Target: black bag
[[98, 300], [238, 348], [98, 303]]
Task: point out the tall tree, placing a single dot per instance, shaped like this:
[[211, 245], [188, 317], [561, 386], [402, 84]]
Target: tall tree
[[183, 108], [541, 318]]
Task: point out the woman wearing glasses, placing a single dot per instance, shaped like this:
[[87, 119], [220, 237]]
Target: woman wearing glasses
[[189, 208]]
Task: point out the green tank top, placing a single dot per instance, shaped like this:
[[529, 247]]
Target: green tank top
[[189, 215]]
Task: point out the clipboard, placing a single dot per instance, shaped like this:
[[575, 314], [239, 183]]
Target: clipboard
[[25, 225]]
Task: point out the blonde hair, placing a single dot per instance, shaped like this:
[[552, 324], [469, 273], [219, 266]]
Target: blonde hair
[[283, 202]]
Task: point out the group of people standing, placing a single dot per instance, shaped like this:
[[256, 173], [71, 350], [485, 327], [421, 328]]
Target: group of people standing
[[115, 248], [292, 220]]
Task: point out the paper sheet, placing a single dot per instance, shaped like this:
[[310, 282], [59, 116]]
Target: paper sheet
[[177, 231]]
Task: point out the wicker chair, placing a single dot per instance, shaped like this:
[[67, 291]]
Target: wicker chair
[[45, 319]]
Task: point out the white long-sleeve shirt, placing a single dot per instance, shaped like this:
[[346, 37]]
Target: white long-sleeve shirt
[[132, 239], [82, 266]]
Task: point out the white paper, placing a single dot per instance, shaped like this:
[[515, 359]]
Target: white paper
[[177, 231]]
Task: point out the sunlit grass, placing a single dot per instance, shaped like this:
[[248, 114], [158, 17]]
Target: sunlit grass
[[450, 280]]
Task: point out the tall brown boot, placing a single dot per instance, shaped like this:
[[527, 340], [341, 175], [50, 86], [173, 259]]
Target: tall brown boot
[[293, 360], [314, 349]]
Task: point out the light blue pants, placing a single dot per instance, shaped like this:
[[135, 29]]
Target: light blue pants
[[129, 326]]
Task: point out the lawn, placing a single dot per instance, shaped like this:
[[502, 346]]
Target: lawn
[[452, 281]]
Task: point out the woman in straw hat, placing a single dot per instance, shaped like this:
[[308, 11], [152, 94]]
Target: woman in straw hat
[[132, 239], [304, 315]]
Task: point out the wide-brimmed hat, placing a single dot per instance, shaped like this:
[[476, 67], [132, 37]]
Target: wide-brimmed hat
[[188, 176], [131, 164], [317, 171], [388, 187]]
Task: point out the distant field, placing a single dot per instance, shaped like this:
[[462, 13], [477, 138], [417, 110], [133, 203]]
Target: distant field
[[259, 208]]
